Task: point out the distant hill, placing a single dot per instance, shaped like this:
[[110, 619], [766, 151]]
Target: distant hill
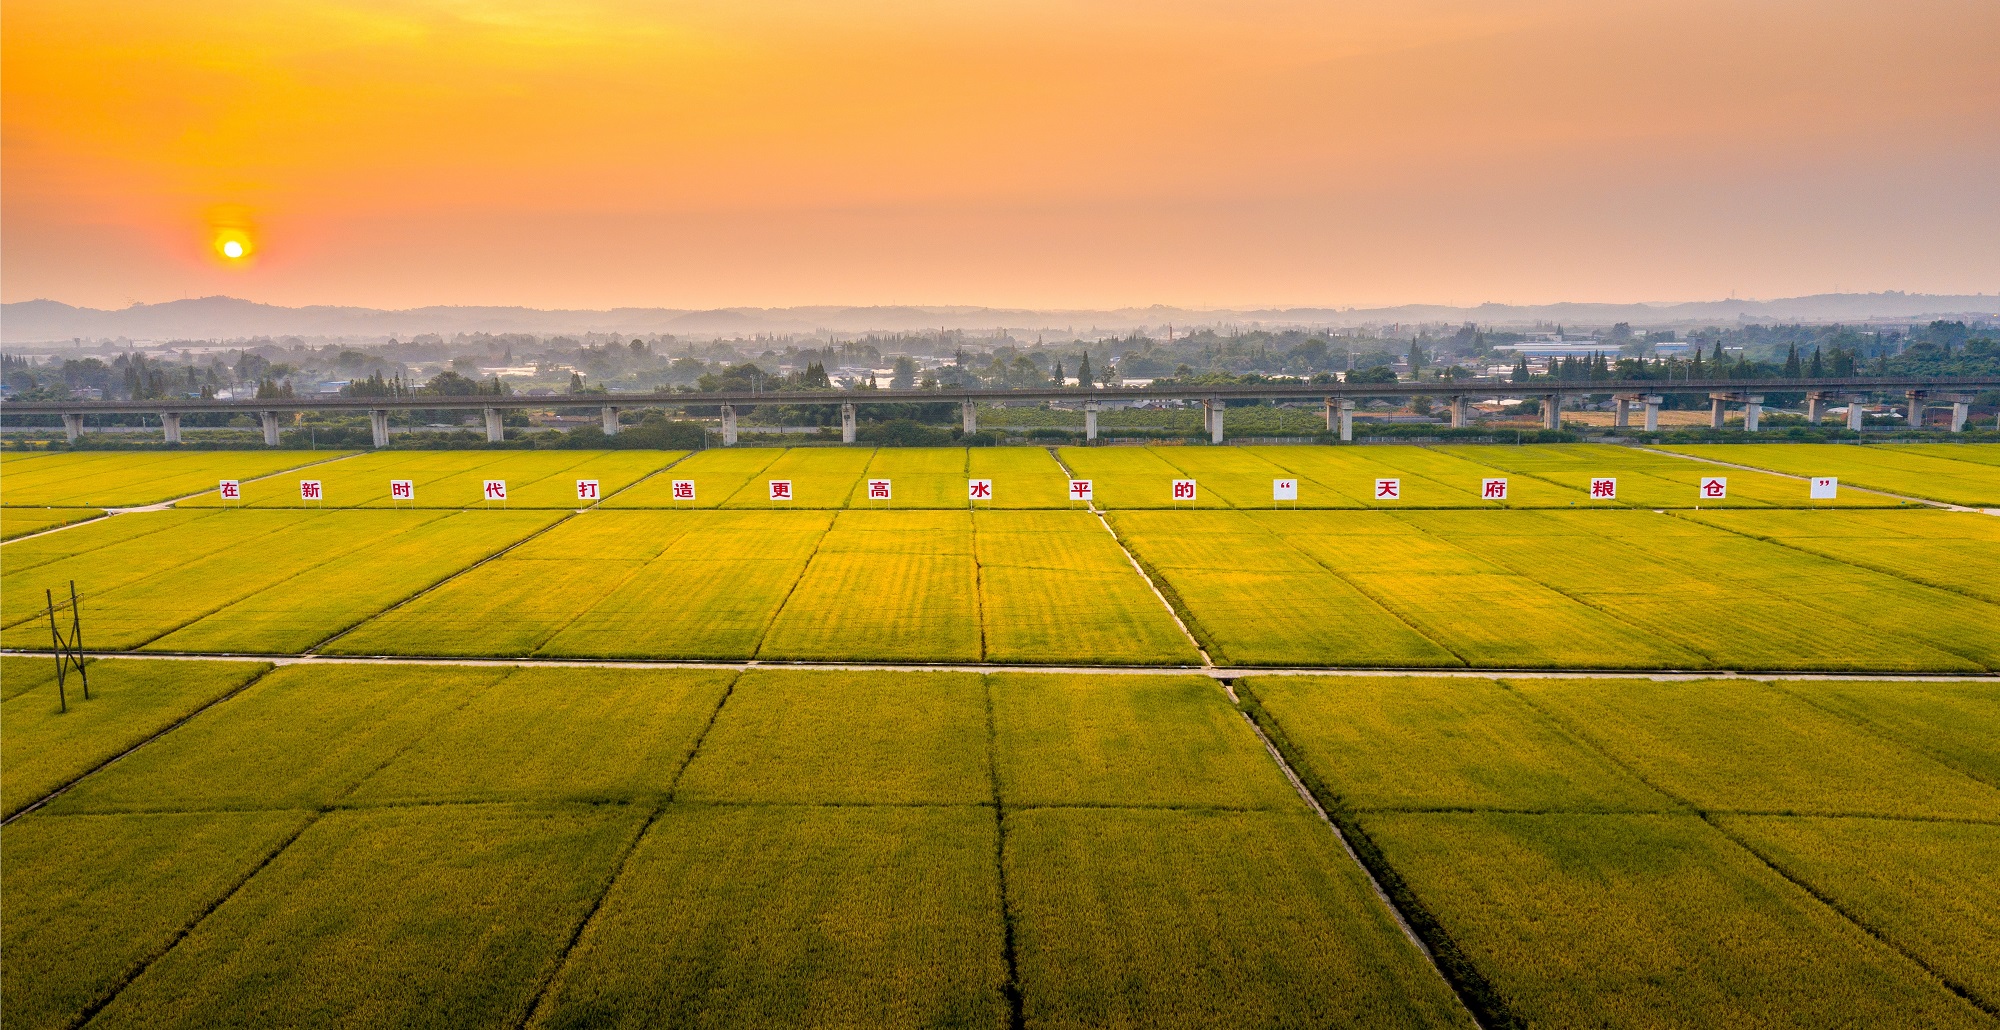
[[228, 318]]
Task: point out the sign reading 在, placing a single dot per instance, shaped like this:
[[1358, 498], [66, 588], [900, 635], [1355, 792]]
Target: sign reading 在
[[402, 490], [1183, 490], [781, 489], [978, 489], [309, 490], [1388, 489], [1714, 488], [496, 489], [232, 490], [1284, 489], [1825, 488], [1603, 488], [1079, 490], [878, 490], [684, 490], [1493, 489], [586, 490]]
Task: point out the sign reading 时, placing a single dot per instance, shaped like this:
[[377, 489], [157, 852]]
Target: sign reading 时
[[309, 490], [1079, 490], [496, 489], [1714, 488], [978, 489], [586, 490], [1388, 489], [1493, 489], [1603, 488], [1825, 488], [1284, 489], [684, 490], [402, 490], [781, 489], [878, 490], [232, 490], [1183, 490]]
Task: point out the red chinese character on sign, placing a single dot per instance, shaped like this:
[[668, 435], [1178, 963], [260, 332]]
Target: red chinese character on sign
[[1603, 489], [781, 489], [1714, 488], [1388, 489], [1079, 489], [309, 490], [979, 489], [586, 489], [1493, 489], [683, 489], [1183, 489], [878, 490], [402, 490], [231, 490], [496, 489]]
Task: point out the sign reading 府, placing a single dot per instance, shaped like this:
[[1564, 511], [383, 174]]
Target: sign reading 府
[[1493, 489]]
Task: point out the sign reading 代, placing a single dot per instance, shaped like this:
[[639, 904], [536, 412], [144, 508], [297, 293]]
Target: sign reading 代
[[496, 490]]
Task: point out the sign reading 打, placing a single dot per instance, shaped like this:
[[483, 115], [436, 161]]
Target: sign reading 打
[[684, 490], [1493, 489], [586, 490], [1825, 488], [1714, 488], [781, 489], [232, 490], [1183, 490], [496, 490], [1603, 488], [1388, 489], [1284, 489], [402, 490], [979, 490], [1080, 490]]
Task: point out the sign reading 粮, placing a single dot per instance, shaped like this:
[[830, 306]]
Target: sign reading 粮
[[232, 490], [1388, 489], [781, 489], [1603, 488], [496, 490], [1079, 490], [979, 490], [878, 490], [684, 490], [1183, 490], [586, 490], [402, 490], [309, 490], [1714, 488], [1493, 489], [1825, 488], [1284, 489]]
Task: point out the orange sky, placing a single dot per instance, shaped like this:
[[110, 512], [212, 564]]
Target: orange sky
[[593, 154]]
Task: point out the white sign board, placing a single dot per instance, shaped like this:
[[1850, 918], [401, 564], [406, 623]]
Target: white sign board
[[402, 490], [1493, 489], [878, 490], [309, 490], [683, 489], [781, 489], [586, 490], [978, 489], [232, 490], [1079, 490], [1284, 489], [1183, 490], [1714, 488], [496, 489], [1388, 489], [1603, 488], [1825, 488]]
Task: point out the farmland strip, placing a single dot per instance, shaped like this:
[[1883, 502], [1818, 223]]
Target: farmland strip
[[643, 478], [58, 529], [1787, 475], [1172, 611], [803, 571], [1885, 568], [1016, 1019]]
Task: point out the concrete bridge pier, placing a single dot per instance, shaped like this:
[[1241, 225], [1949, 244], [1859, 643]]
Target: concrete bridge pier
[[1652, 402], [729, 425], [496, 430], [1815, 407], [1552, 412], [1716, 412], [847, 422], [1854, 413], [1916, 409], [1090, 421], [1346, 409], [1622, 410], [378, 423], [170, 422], [610, 420], [270, 421], [1961, 409], [1212, 418], [73, 427], [970, 413], [1458, 413]]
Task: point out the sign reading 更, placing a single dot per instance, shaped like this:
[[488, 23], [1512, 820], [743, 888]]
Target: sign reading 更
[[781, 489], [586, 490], [1284, 489], [1603, 488], [1825, 488], [978, 489]]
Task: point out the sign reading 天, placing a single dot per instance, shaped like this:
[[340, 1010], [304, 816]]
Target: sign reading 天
[[1714, 488], [684, 490], [978, 489], [496, 490], [1183, 490], [1388, 489], [586, 490], [1284, 489], [1825, 488], [1079, 490], [781, 489], [232, 490], [1493, 489], [878, 490], [402, 490], [309, 490], [1603, 488]]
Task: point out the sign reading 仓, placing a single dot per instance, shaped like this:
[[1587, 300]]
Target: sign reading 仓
[[1714, 488]]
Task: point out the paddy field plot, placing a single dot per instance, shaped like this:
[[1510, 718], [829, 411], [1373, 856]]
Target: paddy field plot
[[23, 521], [1430, 477], [716, 473], [1023, 477], [1133, 477], [1055, 587], [821, 477], [1957, 723], [898, 586], [1957, 551], [1983, 453], [124, 479], [22, 555], [919, 477], [1650, 479], [1887, 467]]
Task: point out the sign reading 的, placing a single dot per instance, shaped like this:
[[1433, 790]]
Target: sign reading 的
[[1825, 488], [1284, 489], [781, 489], [1714, 488], [1493, 489], [878, 490], [684, 490], [496, 490], [1388, 489], [586, 490], [232, 490], [1603, 488], [1080, 490], [402, 490], [979, 490], [1183, 490]]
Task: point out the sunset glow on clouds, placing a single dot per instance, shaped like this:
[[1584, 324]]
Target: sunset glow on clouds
[[707, 154]]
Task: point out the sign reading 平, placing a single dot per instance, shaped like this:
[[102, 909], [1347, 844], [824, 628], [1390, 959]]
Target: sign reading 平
[[1284, 489], [978, 489], [402, 490], [781, 489], [1079, 490], [1714, 488], [878, 490], [1825, 488], [496, 489], [309, 490], [1183, 490], [1493, 489], [684, 490], [1603, 488], [1388, 489], [232, 490], [586, 490]]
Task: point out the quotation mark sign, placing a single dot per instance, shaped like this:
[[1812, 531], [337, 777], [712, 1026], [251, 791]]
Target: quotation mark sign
[[1284, 489], [1825, 488]]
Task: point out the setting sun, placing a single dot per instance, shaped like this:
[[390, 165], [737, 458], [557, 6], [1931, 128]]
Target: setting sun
[[232, 244]]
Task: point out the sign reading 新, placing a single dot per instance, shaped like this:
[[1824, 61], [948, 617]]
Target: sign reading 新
[[309, 490]]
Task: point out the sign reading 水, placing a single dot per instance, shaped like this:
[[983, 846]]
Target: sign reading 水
[[496, 490], [1714, 488], [1825, 488], [1603, 488], [684, 490], [1080, 490], [1183, 490], [979, 490], [232, 490], [1284, 489], [1493, 489], [781, 489], [586, 490], [402, 490], [1388, 489]]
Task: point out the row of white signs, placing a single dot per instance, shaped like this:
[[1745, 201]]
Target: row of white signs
[[1712, 488]]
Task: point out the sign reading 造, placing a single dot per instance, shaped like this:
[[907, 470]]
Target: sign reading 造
[[1080, 490], [1603, 488], [309, 491], [232, 490], [977, 490], [1825, 488], [1284, 489], [878, 490], [496, 490], [1388, 489], [1493, 489], [781, 489], [402, 490], [684, 490], [586, 490], [1183, 490], [1714, 488]]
